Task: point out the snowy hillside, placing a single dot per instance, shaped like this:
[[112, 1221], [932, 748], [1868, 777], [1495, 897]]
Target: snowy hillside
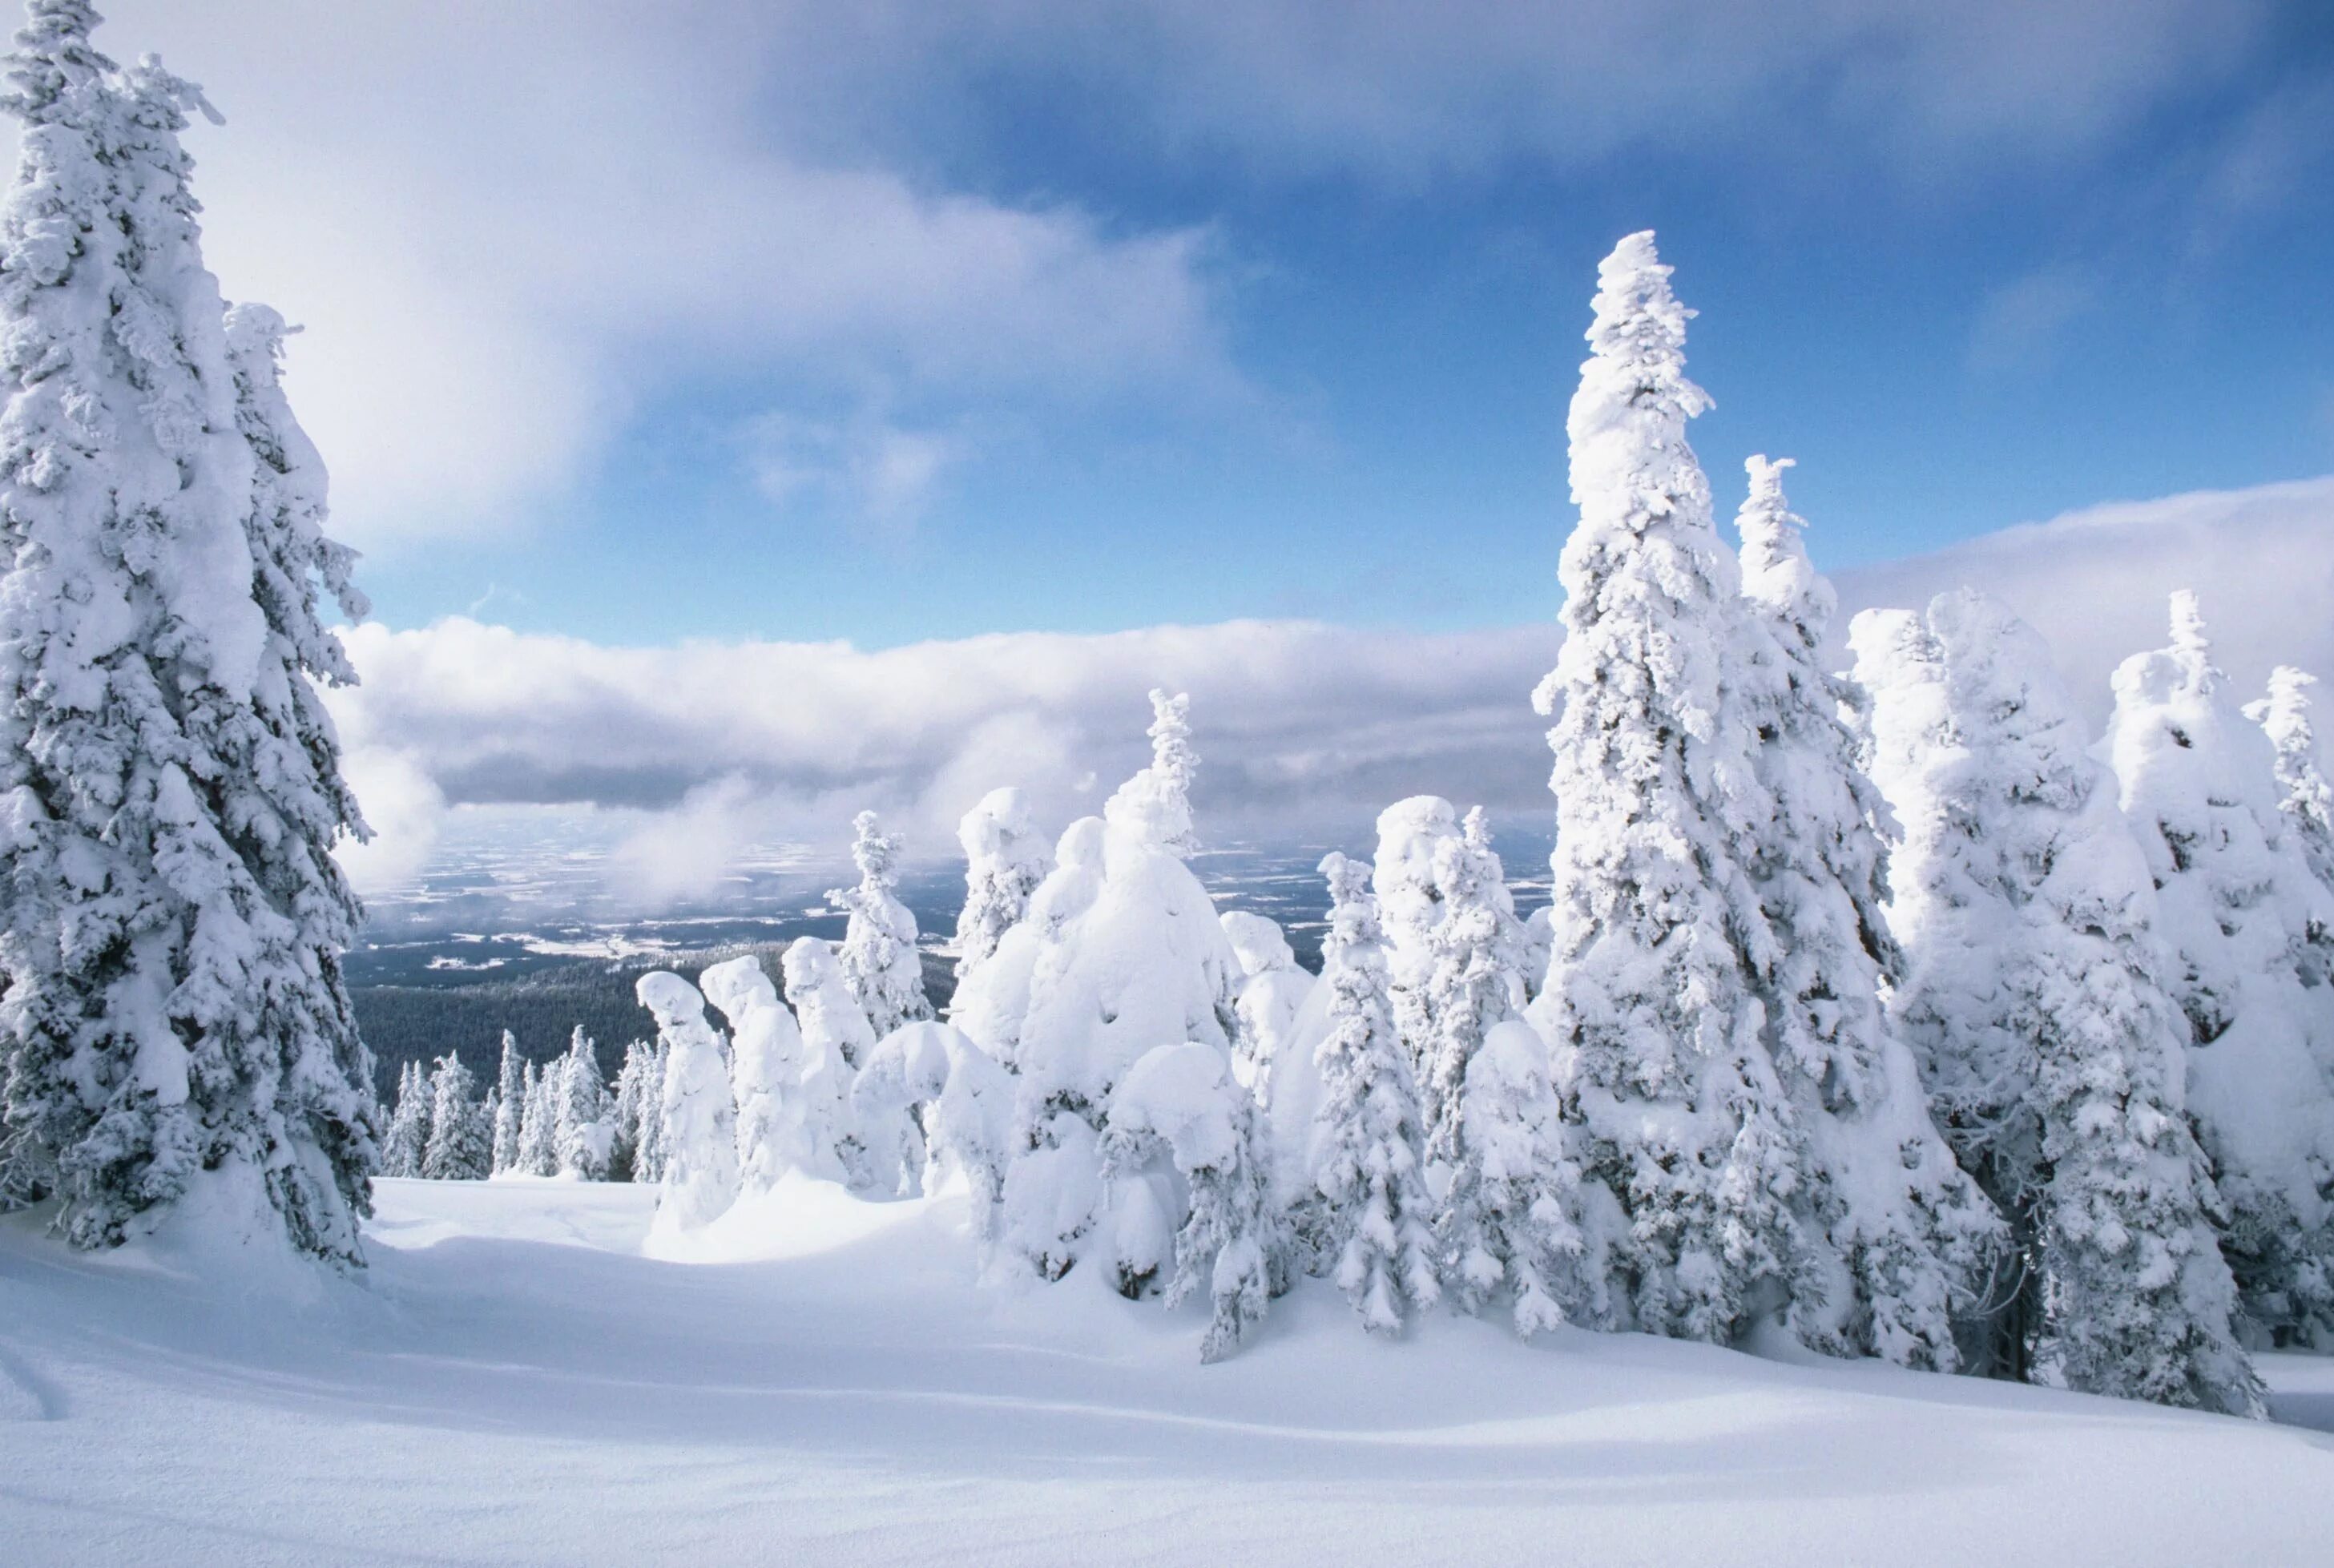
[[520, 1384]]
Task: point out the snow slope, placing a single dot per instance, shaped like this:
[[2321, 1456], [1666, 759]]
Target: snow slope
[[520, 1384]]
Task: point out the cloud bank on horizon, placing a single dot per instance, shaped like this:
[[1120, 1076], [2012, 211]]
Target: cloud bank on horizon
[[1302, 726]]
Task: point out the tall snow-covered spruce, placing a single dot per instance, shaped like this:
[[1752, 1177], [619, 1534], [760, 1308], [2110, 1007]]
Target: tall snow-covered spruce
[[1651, 1007], [1911, 1237], [171, 920], [1121, 951], [2239, 903], [1005, 860], [1366, 1221], [879, 958], [2032, 1002]]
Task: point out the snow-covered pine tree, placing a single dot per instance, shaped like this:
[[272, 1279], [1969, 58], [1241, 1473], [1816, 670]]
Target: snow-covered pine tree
[[580, 1130], [171, 919], [1367, 1220], [930, 1082], [1125, 953], [1654, 1024], [836, 1042], [2239, 905], [1464, 978], [879, 958], [624, 1111], [698, 1117], [510, 1105], [2030, 998], [1913, 1239], [1180, 1109], [1507, 1216], [460, 1147], [1005, 860], [765, 1065], [1272, 989], [409, 1125], [649, 1144], [538, 1126], [2307, 803]]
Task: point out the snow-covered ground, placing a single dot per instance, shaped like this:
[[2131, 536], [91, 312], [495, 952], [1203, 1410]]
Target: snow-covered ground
[[519, 1382]]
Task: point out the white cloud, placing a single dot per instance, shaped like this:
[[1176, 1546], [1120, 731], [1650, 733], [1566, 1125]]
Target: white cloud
[[507, 228], [2018, 325], [1391, 90], [404, 808], [877, 475], [2094, 581], [1299, 723]]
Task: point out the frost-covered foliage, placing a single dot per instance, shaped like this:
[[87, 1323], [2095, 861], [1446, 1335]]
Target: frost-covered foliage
[[1005, 860], [2239, 904], [1272, 989], [580, 1130], [1650, 1009], [171, 919], [698, 1119], [1911, 1240], [1534, 945], [408, 1138], [2304, 796], [461, 1146], [1121, 951], [539, 1121], [1367, 1220], [835, 1042], [1507, 1216], [766, 1065], [2031, 999], [880, 962], [931, 1077], [624, 1106], [648, 1142], [1452, 951], [1182, 1117], [510, 1105]]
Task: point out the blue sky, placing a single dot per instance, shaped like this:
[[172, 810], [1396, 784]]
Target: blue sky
[[1971, 269]]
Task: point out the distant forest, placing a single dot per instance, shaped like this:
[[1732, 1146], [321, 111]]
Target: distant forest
[[404, 1024]]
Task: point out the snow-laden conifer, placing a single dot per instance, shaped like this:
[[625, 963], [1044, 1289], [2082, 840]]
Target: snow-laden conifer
[[1653, 1020], [625, 1102], [171, 920], [2239, 906], [1367, 1220], [1456, 970], [2031, 1000], [510, 1105], [930, 1078], [879, 958], [1181, 1112], [461, 1146], [766, 1065], [1121, 951], [1272, 989], [580, 1130], [1911, 1238], [538, 1123], [1005, 860], [2303, 793], [409, 1125], [836, 1041], [648, 1146], [1506, 1226], [698, 1117]]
